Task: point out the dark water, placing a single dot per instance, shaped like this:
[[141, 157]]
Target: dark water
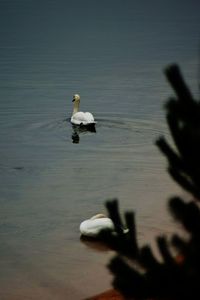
[[113, 54]]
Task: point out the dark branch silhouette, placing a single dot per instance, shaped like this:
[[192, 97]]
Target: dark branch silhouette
[[137, 272]]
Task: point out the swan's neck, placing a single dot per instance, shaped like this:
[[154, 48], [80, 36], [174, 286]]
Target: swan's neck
[[76, 107]]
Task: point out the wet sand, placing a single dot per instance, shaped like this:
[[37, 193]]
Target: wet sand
[[108, 295]]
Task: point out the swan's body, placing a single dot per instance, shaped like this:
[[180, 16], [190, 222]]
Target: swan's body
[[82, 118], [79, 117], [93, 226]]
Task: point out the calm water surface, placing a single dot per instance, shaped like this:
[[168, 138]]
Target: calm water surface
[[113, 54]]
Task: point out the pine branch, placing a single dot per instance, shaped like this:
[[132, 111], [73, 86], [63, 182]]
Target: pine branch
[[175, 78], [177, 276]]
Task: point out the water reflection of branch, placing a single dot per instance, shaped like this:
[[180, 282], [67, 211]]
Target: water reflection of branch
[[79, 129]]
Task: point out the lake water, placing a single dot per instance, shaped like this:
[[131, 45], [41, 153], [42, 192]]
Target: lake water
[[113, 54]]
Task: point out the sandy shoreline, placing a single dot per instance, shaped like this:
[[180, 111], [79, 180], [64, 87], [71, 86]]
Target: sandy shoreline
[[107, 295]]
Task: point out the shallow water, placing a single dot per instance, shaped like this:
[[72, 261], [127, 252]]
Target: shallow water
[[113, 55]]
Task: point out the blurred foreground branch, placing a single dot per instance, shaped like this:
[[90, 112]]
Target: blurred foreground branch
[[137, 272]]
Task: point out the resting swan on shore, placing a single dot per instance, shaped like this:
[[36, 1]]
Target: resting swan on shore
[[93, 226], [79, 117]]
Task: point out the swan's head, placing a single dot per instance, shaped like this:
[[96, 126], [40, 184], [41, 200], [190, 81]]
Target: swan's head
[[76, 98]]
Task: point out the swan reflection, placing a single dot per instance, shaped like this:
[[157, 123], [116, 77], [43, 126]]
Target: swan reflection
[[81, 129], [95, 244]]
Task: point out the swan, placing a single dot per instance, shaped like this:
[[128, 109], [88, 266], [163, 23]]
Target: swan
[[79, 117], [92, 227]]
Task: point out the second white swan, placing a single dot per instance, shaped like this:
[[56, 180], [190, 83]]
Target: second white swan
[[93, 226]]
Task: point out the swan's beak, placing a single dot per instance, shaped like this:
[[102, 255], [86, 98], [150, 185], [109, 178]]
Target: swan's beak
[[73, 100]]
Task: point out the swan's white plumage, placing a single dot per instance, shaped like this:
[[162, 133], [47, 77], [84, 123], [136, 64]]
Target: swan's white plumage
[[83, 118], [79, 117], [93, 226]]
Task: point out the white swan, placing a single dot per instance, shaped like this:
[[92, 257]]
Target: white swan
[[93, 226], [79, 117]]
